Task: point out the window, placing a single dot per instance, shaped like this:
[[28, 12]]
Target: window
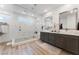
[[24, 20]]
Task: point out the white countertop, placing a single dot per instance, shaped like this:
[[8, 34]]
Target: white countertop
[[67, 33]]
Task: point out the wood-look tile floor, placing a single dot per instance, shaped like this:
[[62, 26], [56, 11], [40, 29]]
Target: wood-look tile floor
[[32, 48]]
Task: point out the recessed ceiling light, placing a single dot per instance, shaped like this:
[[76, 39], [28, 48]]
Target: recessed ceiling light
[[45, 10]]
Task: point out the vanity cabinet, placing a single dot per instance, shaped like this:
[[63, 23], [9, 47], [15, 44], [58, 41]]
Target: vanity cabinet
[[67, 42]]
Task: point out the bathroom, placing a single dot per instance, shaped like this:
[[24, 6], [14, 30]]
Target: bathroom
[[23, 23]]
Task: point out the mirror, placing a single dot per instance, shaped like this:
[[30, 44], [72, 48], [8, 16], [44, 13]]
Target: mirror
[[68, 19], [47, 23]]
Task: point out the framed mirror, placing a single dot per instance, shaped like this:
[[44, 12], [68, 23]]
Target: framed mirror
[[68, 20]]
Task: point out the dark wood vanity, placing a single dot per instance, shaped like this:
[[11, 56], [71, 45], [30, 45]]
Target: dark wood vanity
[[66, 42]]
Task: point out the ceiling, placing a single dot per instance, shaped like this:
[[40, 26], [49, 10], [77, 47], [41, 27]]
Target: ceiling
[[32, 9], [39, 9]]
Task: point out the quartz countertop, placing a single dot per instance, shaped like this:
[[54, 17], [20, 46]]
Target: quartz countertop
[[66, 33]]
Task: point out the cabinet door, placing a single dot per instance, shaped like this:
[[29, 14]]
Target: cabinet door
[[59, 40], [44, 36], [51, 38], [41, 36], [71, 44]]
